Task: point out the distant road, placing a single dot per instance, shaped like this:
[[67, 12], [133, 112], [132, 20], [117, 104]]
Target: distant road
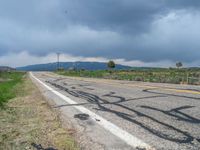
[[112, 114]]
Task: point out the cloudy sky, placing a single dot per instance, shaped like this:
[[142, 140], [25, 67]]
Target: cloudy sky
[[131, 32]]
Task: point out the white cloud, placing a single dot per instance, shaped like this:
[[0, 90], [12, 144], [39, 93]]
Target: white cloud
[[24, 58]]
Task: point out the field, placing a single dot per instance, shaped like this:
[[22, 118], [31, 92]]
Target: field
[[8, 85], [159, 75]]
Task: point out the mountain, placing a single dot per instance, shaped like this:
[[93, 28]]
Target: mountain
[[69, 65], [6, 68]]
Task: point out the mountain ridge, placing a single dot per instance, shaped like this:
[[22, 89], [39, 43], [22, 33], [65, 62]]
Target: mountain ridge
[[69, 65], [6, 68]]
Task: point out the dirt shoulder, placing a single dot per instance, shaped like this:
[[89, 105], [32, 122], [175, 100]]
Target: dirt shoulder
[[28, 122]]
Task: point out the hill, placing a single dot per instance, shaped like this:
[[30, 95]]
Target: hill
[[68, 65], [5, 68]]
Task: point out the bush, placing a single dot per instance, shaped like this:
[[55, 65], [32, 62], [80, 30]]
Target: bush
[[138, 79]]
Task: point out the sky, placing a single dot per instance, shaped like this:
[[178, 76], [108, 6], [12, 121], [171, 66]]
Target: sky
[[152, 33]]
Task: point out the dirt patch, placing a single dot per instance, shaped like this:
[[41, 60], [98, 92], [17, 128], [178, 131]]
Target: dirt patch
[[28, 122]]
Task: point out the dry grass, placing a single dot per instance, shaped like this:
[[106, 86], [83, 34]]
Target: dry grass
[[28, 121]]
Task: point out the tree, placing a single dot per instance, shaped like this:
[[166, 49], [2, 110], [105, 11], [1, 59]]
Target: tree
[[111, 64], [179, 65]]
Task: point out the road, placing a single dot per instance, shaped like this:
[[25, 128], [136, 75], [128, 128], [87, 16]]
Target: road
[[129, 115]]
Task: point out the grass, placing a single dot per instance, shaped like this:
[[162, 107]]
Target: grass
[[158, 75], [8, 84], [27, 120]]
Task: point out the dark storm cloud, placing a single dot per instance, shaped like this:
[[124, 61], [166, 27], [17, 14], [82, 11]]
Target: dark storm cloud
[[128, 15], [182, 3], [147, 30], [122, 15]]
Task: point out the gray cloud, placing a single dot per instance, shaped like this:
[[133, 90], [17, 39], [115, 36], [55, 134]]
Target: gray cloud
[[144, 30]]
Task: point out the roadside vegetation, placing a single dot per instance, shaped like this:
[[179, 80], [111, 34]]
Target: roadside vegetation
[[157, 75], [8, 85], [27, 120]]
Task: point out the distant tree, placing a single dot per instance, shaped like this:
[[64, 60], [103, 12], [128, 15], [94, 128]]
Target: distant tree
[[82, 69], [60, 69], [179, 65], [111, 64]]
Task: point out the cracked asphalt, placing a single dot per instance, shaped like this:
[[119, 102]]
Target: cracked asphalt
[[165, 116]]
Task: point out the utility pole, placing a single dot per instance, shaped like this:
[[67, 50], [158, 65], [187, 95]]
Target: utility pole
[[58, 61]]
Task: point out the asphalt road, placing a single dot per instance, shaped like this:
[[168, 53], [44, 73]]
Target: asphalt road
[[164, 116]]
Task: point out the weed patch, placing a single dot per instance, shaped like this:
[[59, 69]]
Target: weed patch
[[8, 85]]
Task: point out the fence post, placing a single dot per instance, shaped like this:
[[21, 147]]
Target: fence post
[[187, 78], [199, 78]]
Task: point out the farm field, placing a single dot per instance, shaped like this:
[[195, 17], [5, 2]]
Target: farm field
[[157, 75]]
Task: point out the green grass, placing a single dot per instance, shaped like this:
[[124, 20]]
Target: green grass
[[8, 83], [158, 75]]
